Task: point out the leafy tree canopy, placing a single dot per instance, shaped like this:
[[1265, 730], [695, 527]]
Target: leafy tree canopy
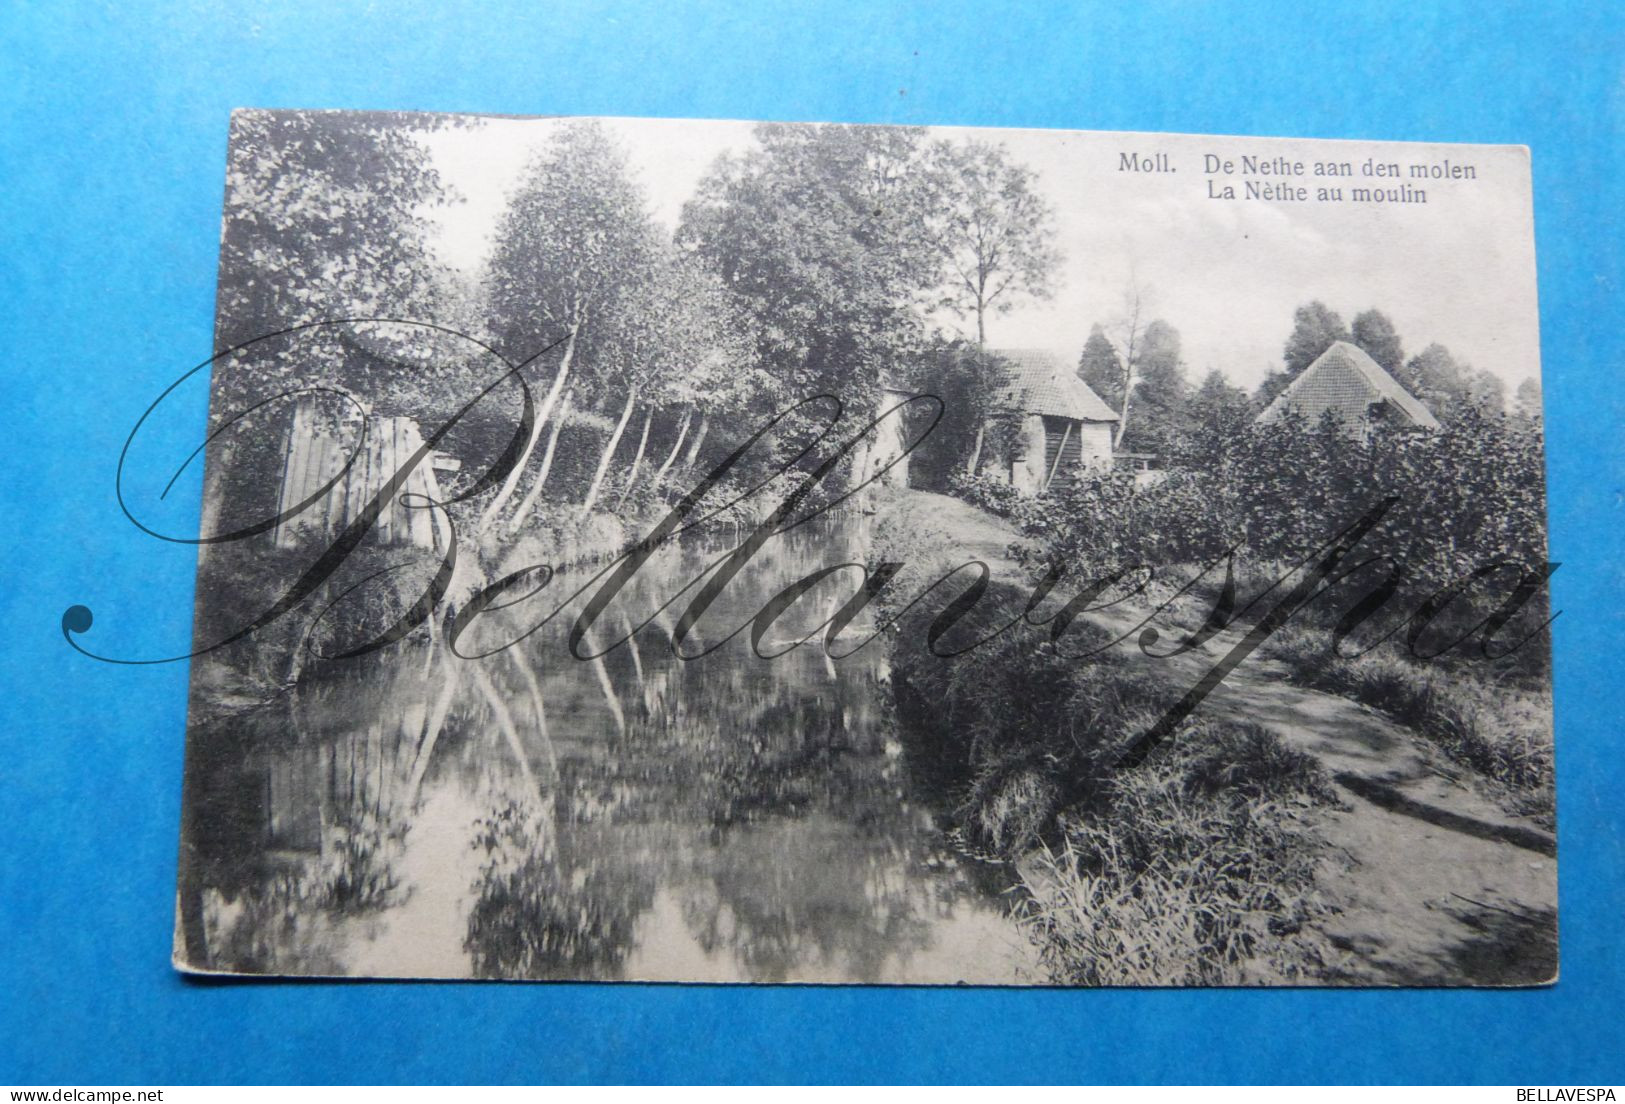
[[1314, 327], [1375, 333]]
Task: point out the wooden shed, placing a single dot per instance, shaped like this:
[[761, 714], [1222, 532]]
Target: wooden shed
[[317, 446], [1055, 425]]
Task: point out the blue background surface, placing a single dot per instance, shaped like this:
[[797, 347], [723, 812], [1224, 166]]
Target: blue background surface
[[112, 146]]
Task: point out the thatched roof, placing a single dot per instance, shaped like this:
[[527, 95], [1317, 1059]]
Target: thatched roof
[[1041, 384], [1344, 378]]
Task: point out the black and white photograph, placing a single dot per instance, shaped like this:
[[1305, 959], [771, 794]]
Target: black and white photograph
[[663, 550]]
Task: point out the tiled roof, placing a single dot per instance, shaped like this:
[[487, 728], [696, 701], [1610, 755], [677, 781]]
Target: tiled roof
[[1041, 384], [1344, 378]]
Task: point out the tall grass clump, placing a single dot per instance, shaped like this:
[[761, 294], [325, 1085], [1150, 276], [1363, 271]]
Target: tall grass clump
[[1197, 868]]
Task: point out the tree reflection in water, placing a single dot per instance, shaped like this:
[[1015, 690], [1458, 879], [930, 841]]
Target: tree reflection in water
[[537, 915], [637, 815]]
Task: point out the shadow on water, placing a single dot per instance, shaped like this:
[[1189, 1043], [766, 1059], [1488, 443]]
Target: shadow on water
[[637, 816]]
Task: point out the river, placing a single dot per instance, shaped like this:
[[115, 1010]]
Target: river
[[639, 816]]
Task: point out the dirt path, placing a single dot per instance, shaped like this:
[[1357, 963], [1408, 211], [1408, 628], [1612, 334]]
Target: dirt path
[[1432, 882], [1435, 883]]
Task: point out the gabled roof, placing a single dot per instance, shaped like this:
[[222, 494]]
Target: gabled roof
[[1040, 384], [1345, 378]]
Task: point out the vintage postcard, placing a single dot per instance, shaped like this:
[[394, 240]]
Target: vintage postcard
[[671, 550]]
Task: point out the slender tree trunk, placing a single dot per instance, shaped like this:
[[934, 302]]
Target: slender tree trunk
[[981, 425], [1122, 418], [671, 457], [542, 415], [637, 460], [609, 451], [699, 439], [1135, 304], [535, 491], [976, 451]]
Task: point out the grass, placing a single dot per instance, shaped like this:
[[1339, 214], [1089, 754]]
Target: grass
[[1195, 869], [1499, 732]]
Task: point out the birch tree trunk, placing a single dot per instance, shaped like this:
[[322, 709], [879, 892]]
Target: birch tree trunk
[[535, 491], [671, 457], [637, 460], [699, 439], [609, 451], [976, 451], [1122, 419], [542, 415]]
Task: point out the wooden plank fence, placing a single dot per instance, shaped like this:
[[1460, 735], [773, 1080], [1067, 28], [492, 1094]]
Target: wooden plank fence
[[315, 450]]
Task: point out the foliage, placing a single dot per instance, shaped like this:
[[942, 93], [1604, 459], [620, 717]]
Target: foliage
[[970, 382], [1218, 416], [1196, 867], [1449, 388], [324, 219], [1496, 730], [1106, 520], [1161, 392], [1374, 332], [994, 230], [537, 913], [1101, 368], [1527, 400], [820, 233], [1171, 879], [1314, 327], [574, 232], [992, 494], [1467, 496]]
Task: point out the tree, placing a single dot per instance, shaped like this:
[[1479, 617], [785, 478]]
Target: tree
[[325, 220], [1486, 393], [1314, 327], [993, 229], [820, 234], [669, 344], [1130, 332], [1101, 368], [972, 384], [1375, 333], [1527, 400], [1161, 390], [574, 235], [717, 376], [1449, 387], [1273, 383], [1219, 417]]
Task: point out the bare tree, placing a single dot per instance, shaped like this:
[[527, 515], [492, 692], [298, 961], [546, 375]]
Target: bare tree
[[1130, 326]]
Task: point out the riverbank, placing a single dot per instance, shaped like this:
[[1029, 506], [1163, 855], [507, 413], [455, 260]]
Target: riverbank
[[1281, 835]]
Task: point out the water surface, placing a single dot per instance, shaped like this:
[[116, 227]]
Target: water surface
[[638, 816]]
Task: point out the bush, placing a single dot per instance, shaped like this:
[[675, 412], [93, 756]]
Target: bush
[[993, 495], [1465, 498]]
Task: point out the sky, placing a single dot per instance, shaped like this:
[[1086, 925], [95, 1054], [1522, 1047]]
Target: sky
[[1227, 273]]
